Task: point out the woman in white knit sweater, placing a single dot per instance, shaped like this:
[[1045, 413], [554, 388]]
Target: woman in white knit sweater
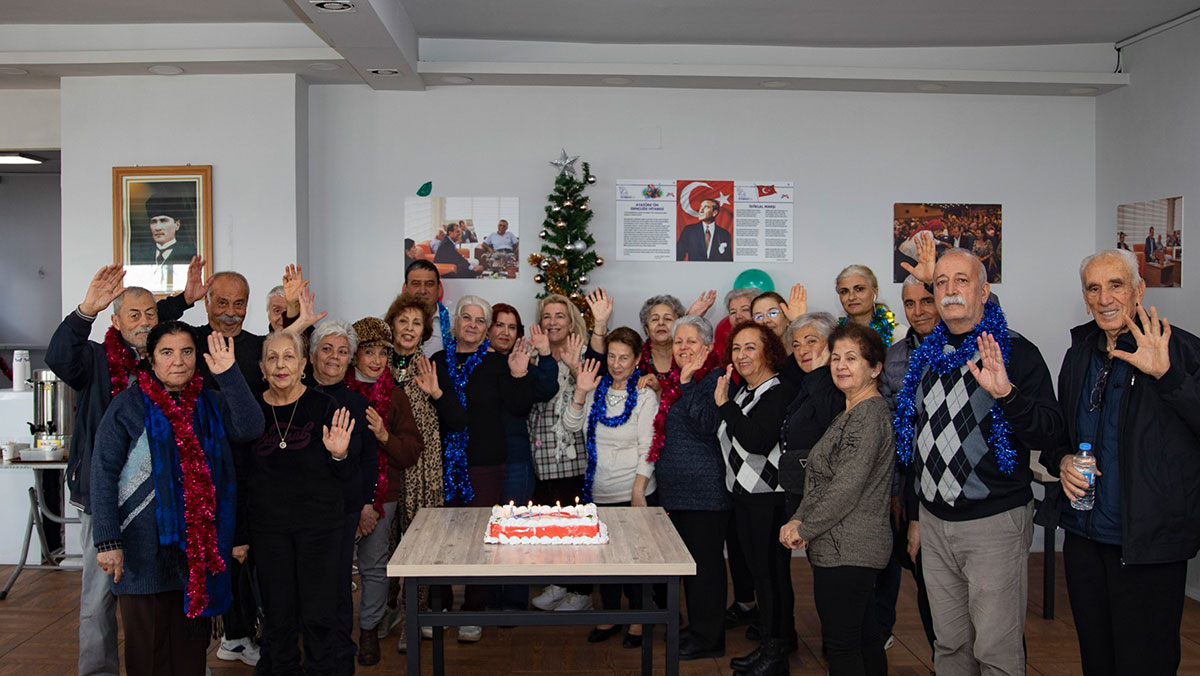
[[618, 421]]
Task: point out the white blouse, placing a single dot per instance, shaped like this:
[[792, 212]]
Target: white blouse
[[621, 452]]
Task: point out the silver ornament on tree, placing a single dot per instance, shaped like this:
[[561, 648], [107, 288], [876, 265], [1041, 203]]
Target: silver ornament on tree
[[543, 234], [591, 180], [545, 264], [583, 280], [555, 208], [567, 203], [565, 163], [579, 245]]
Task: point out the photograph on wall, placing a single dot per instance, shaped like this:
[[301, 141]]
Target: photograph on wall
[[465, 237], [1153, 231], [162, 217], [974, 227], [705, 220]]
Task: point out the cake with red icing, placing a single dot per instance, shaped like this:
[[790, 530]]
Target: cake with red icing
[[545, 525]]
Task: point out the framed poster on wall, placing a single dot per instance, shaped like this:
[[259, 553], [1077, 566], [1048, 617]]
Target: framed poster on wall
[[162, 216]]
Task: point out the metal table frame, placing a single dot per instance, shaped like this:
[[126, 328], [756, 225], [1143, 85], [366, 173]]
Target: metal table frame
[[646, 615], [37, 509]]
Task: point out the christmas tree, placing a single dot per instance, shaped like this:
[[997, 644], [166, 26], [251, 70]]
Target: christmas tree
[[567, 257]]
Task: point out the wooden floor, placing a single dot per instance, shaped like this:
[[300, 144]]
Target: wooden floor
[[39, 629]]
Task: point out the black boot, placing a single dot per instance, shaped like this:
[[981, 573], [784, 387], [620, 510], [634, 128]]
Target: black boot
[[772, 661], [743, 663]]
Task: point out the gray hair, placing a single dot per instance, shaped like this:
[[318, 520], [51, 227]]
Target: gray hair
[[129, 291], [276, 292], [276, 336], [744, 292], [823, 321], [1123, 255], [910, 281], [858, 270], [218, 276], [979, 267], [478, 302], [664, 299], [332, 327], [703, 327]]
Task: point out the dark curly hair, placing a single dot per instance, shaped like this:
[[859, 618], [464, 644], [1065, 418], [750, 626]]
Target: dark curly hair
[[405, 301], [869, 344], [505, 307], [773, 352]]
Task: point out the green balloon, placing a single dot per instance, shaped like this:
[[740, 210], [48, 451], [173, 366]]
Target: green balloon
[[754, 278]]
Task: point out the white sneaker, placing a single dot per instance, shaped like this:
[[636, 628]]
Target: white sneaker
[[550, 597], [575, 601], [888, 643], [469, 633], [238, 649], [427, 632]]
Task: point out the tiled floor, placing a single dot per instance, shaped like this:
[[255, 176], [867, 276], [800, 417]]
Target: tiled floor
[[39, 627]]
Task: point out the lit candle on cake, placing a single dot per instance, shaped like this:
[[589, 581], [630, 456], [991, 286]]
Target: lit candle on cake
[[557, 508]]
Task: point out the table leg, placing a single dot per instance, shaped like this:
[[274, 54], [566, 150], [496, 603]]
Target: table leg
[[439, 655], [12, 579], [673, 626], [647, 633], [1048, 572], [412, 628]]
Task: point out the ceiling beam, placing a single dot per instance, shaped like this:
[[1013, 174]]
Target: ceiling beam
[[373, 36]]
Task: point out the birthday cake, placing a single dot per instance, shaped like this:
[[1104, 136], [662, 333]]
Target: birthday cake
[[545, 525]]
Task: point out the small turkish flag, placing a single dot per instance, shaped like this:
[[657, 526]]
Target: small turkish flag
[[764, 190]]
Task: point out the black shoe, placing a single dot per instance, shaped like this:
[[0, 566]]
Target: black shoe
[[690, 650], [601, 635], [753, 632], [747, 661], [736, 617], [632, 641], [772, 661]]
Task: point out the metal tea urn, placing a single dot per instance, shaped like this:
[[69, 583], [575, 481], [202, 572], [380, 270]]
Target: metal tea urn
[[53, 411]]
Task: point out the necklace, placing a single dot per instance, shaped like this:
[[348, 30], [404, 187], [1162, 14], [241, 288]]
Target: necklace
[[283, 435]]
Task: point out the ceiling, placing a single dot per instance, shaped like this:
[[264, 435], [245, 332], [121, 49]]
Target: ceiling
[[145, 11]]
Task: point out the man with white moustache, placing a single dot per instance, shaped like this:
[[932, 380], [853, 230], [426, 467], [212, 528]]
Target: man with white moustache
[[976, 398]]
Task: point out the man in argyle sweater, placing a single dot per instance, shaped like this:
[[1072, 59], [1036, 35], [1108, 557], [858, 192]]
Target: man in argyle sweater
[[966, 422]]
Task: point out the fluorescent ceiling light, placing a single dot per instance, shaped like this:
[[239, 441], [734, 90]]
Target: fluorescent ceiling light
[[19, 158], [324, 66], [774, 84], [165, 70]]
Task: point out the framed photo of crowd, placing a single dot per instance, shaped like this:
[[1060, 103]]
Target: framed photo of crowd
[[978, 228], [162, 216]]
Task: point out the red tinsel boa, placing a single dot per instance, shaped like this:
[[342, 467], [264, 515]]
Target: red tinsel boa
[[120, 361], [379, 395], [669, 386], [199, 495]]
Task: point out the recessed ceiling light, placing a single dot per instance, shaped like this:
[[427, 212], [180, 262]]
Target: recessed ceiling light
[[931, 86], [12, 70], [334, 6], [1083, 90], [456, 79], [385, 72], [19, 158], [165, 70], [324, 66], [774, 84], [617, 81]]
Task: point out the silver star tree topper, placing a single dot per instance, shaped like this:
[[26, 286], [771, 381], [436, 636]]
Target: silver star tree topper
[[565, 163]]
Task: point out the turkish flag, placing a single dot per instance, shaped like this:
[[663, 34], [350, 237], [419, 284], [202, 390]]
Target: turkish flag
[[764, 190]]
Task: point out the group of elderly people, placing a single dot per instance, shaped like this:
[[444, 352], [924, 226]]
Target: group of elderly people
[[873, 445]]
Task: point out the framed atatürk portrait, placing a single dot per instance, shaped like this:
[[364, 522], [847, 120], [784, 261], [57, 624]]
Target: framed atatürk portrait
[[162, 216]]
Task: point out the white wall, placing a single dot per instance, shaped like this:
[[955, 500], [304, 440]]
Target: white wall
[[851, 156], [1148, 147], [29, 119], [243, 125], [29, 257]]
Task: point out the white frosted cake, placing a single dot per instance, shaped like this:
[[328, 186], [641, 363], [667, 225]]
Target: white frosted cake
[[545, 525]]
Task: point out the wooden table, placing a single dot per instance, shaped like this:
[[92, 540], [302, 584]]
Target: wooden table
[[37, 509], [445, 546]]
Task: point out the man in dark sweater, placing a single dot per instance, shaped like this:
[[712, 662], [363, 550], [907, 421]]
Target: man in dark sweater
[[967, 422], [85, 366], [1129, 386]]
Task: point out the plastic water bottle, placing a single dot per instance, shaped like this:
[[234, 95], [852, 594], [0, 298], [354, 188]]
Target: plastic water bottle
[[1085, 464]]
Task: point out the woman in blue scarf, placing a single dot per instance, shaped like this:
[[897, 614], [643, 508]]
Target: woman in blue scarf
[[164, 496]]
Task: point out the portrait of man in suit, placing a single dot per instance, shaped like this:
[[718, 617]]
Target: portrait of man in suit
[[705, 240], [170, 238]]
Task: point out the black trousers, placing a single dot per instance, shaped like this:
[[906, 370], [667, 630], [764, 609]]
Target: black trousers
[[487, 482], [299, 579], [739, 571], [703, 533], [1127, 616], [565, 490], [845, 600], [157, 640], [757, 519], [345, 602]]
